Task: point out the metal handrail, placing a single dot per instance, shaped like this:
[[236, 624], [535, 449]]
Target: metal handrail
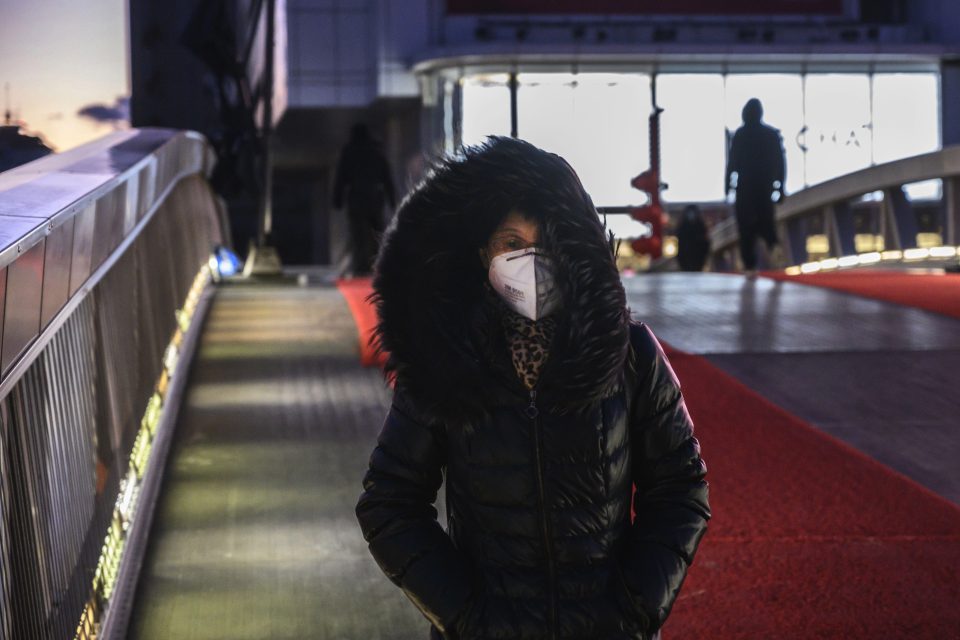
[[103, 254], [64, 220], [828, 197]]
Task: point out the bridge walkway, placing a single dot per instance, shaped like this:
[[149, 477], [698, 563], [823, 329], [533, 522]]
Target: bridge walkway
[[254, 534]]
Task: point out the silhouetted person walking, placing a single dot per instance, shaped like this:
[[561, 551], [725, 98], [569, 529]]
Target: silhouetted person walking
[[693, 243], [363, 176], [757, 157]]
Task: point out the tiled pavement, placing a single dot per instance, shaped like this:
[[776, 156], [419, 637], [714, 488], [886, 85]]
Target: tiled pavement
[[882, 377], [254, 534]]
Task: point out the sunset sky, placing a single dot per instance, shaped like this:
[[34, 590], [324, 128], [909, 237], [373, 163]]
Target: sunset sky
[[59, 56]]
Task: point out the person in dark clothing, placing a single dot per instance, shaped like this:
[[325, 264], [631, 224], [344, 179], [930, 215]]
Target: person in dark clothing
[[363, 176], [757, 157], [693, 243], [520, 377]]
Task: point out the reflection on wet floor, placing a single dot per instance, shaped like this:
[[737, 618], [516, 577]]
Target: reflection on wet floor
[[879, 376], [254, 534]]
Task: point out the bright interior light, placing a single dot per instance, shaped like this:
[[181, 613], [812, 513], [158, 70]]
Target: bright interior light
[[224, 262], [486, 107], [893, 254], [869, 258], [904, 117], [849, 261], [596, 121], [125, 507], [692, 118], [943, 252], [829, 263], [837, 113], [916, 254], [810, 267]]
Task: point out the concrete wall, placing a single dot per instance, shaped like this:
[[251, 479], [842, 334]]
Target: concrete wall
[[939, 19], [349, 53]]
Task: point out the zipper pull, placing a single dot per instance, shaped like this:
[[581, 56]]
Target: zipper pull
[[532, 411]]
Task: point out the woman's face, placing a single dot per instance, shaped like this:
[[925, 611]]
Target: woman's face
[[514, 233]]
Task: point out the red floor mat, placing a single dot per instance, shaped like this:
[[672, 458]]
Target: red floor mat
[[355, 292], [810, 538], [938, 293]]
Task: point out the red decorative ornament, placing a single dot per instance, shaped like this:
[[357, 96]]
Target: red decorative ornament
[[651, 214]]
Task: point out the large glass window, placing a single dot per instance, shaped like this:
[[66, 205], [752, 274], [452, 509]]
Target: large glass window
[[837, 135], [782, 97], [905, 120], [831, 124], [692, 152], [596, 121], [486, 107]]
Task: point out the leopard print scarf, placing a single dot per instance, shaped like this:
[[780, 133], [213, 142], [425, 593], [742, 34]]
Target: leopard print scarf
[[529, 343]]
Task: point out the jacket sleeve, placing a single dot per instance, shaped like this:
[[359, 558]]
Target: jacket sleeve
[[671, 493], [399, 521]]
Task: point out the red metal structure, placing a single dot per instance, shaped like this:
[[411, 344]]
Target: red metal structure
[[651, 213]]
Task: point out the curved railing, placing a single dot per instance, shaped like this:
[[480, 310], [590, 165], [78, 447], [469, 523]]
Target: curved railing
[[832, 202], [103, 254]]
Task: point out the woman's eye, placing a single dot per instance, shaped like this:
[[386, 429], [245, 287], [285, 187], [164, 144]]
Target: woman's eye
[[506, 245]]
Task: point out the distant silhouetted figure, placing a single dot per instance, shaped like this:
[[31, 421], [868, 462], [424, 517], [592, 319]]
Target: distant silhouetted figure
[[364, 178], [693, 243], [756, 156]]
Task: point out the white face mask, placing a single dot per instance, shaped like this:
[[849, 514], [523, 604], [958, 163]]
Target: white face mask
[[525, 281]]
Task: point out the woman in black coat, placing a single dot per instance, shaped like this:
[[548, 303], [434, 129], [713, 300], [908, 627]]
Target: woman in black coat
[[520, 378]]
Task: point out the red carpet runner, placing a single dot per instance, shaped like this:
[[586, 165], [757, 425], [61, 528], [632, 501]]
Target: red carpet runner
[[810, 538], [355, 292], [938, 293]]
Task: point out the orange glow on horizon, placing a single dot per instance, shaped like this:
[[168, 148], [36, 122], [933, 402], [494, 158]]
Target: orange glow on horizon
[[57, 57]]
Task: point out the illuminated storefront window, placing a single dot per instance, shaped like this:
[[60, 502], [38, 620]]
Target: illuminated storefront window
[[597, 122], [831, 124], [692, 147], [486, 107], [905, 115], [837, 117], [906, 123]]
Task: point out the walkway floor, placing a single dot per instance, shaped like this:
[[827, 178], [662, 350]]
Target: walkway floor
[[255, 536], [880, 376]]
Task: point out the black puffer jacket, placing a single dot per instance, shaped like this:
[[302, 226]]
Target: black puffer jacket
[[539, 542]]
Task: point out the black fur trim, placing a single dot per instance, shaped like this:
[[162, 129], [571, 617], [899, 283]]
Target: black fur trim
[[428, 284]]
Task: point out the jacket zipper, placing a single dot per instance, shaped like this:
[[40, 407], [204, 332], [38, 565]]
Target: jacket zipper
[[533, 413]]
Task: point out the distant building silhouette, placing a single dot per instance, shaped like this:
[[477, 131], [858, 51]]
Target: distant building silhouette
[[17, 148]]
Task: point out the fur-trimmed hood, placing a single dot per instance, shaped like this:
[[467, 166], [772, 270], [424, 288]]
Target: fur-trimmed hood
[[434, 313]]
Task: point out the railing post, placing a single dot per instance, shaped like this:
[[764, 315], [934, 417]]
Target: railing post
[[796, 235], [782, 235], [842, 229], [830, 230], [902, 222], [951, 198]]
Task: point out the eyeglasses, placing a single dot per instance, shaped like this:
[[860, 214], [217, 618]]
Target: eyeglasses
[[506, 245]]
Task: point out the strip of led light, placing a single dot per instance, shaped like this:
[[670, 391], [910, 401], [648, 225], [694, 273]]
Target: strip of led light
[[125, 509], [874, 257]]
